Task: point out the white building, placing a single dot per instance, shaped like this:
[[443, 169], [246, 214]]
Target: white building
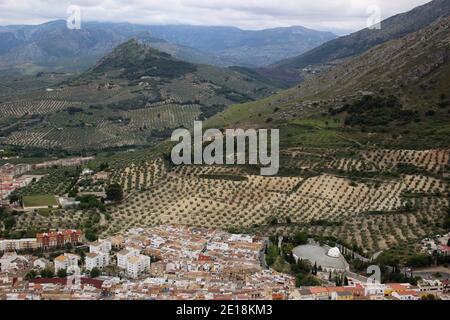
[[241, 238], [11, 262], [18, 244], [122, 256], [87, 172], [67, 262], [96, 260], [406, 295], [220, 246], [98, 256], [41, 263], [374, 289], [100, 246], [137, 265], [430, 287], [133, 262], [68, 203]]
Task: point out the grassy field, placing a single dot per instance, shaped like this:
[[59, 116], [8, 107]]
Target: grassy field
[[39, 201]]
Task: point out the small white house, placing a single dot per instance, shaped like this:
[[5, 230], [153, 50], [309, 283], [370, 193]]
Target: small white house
[[87, 172], [66, 261], [41, 263]]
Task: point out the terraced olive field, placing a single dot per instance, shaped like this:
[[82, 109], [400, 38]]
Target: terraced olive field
[[338, 193], [122, 101], [376, 212]]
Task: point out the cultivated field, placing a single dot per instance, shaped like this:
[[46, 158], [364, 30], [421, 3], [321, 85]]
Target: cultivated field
[[18, 109], [376, 212], [335, 193], [39, 201]]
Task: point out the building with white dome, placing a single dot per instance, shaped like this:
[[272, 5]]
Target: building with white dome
[[334, 252], [329, 259]]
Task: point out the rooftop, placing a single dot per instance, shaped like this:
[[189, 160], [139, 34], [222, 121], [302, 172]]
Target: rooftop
[[319, 255]]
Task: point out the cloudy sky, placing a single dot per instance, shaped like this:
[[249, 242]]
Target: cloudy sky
[[339, 16]]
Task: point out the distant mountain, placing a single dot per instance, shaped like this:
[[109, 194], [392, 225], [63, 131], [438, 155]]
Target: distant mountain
[[51, 46], [396, 94], [182, 52], [361, 41], [245, 47]]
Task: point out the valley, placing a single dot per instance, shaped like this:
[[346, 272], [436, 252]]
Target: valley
[[109, 106]]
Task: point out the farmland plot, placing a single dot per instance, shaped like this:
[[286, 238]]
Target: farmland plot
[[375, 214], [29, 107], [163, 117]]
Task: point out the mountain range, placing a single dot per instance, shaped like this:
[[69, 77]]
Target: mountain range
[[332, 52], [54, 47]]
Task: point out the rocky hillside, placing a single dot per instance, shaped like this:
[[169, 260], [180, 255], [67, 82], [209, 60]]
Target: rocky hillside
[[361, 41], [396, 93]]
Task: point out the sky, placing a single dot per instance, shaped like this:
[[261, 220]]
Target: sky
[[339, 16]]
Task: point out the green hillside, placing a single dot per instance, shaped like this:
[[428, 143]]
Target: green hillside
[[396, 94], [396, 27], [134, 96]]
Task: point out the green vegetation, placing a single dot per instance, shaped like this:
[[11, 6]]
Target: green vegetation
[[95, 273], [62, 273], [114, 192], [31, 275], [377, 111], [56, 181], [138, 61], [90, 202], [47, 273], [39, 201], [447, 220], [110, 106]]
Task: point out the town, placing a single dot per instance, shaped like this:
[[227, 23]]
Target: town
[[175, 262]]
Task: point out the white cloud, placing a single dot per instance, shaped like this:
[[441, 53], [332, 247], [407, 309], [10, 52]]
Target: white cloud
[[248, 14]]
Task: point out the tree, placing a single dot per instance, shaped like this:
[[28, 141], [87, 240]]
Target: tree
[[103, 166], [305, 280], [272, 253], [47, 273], [301, 238], [9, 222], [419, 260], [91, 235], [62, 273], [345, 281], [273, 221], [73, 193], [95, 272], [31, 275], [114, 192], [14, 198], [302, 266]]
